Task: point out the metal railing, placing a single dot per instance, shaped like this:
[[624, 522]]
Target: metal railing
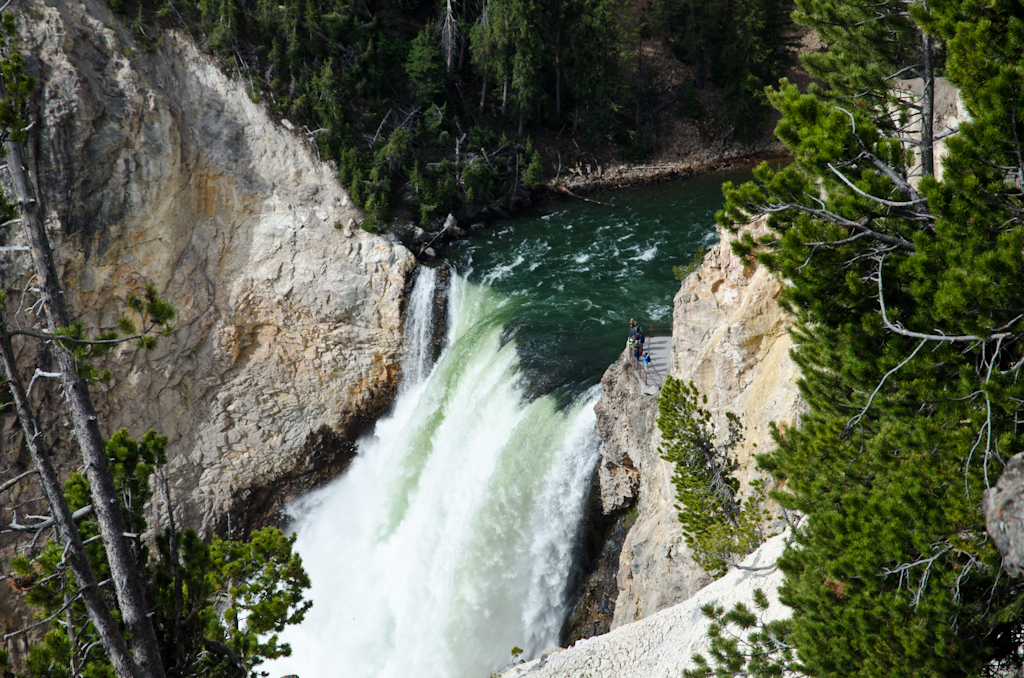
[[656, 329], [646, 372]]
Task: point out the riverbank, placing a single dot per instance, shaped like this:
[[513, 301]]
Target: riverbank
[[577, 182], [585, 179]]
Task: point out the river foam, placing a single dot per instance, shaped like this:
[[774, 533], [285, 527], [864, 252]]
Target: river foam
[[451, 538]]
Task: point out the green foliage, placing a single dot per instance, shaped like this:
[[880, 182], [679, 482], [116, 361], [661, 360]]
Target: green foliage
[[739, 46], [868, 43], [718, 527], [211, 600], [682, 271], [756, 648], [14, 107], [481, 180], [689, 104], [907, 342], [155, 315], [425, 68], [595, 69], [264, 582], [534, 173], [132, 463]]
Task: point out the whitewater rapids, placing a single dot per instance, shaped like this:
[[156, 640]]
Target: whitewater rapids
[[451, 538]]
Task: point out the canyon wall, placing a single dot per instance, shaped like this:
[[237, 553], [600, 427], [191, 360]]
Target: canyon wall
[[729, 338], [156, 167]]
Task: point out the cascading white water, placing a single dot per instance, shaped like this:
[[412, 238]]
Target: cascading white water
[[419, 326], [449, 540]]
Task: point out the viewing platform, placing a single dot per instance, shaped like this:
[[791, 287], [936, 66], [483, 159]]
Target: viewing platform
[[657, 345]]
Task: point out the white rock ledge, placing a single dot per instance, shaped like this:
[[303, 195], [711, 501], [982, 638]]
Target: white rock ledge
[[661, 645]]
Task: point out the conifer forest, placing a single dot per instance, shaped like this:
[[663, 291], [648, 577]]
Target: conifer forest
[[429, 109]]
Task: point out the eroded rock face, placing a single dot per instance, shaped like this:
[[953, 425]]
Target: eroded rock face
[[729, 339], [156, 167]]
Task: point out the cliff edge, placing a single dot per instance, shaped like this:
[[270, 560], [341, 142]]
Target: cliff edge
[[729, 338], [156, 167], [662, 644]]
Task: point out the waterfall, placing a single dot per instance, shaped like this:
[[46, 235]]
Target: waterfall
[[450, 539], [419, 325]]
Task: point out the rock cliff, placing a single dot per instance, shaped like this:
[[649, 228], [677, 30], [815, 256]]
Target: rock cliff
[[1004, 515], [155, 166], [655, 568], [729, 338]]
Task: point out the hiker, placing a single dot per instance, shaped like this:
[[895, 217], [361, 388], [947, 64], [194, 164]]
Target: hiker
[[632, 328], [640, 336], [637, 352], [647, 359]]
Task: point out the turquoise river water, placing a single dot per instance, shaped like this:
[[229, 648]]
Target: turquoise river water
[[576, 272]]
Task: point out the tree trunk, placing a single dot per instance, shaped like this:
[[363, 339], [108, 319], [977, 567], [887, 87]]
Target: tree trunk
[[927, 107], [449, 36], [128, 584], [558, 60], [504, 97], [483, 91], [35, 441]]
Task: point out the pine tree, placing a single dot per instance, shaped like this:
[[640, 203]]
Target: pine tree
[[425, 68], [741, 46], [718, 526], [592, 70], [907, 296]]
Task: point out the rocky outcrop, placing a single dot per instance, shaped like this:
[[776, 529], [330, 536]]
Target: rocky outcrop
[[1004, 515], [597, 585], [662, 644], [729, 337], [155, 166], [655, 567]]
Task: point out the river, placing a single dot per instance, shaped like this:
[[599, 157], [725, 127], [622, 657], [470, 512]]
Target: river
[[452, 537]]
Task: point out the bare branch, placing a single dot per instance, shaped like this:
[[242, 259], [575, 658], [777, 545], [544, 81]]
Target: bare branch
[[856, 418], [10, 483], [930, 337], [47, 522], [85, 342], [883, 201], [903, 571]]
